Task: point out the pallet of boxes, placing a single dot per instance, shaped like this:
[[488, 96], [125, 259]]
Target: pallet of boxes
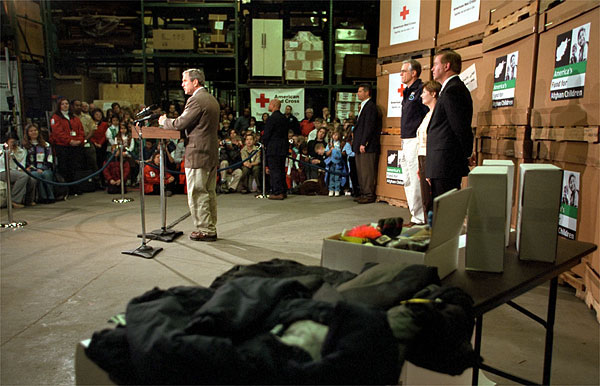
[[409, 36], [565, 125], [304, 59]]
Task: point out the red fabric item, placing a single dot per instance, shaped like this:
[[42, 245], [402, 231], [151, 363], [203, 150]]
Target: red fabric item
[[99, 136], [364, 232], [182, 180], [152, 177], [113, 171], [306, 127], [61, 130]]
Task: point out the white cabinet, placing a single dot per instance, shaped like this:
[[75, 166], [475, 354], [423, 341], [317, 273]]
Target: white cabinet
[[267, 47]]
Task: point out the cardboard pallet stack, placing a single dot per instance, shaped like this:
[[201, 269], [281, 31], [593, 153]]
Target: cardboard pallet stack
[[565, 123], [304, 58], [345, 104]]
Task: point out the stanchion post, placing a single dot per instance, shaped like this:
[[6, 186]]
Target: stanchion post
[[11, 223], [264, 173], [143, 250], [122, 200]]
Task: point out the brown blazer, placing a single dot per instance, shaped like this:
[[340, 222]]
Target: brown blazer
[[200, 124]]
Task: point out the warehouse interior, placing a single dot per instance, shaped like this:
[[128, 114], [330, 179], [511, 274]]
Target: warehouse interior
[[63, 275]]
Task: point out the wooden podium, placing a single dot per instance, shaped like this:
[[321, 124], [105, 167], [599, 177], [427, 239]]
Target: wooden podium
[[152, 132]]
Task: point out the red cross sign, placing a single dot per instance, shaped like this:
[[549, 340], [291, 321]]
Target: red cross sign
[[401, 90], [262, 100], [404, 12]]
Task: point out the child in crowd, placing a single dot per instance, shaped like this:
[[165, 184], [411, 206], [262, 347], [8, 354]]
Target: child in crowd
[[251, 169], [152, 177], [39, 162], [335, 163], [112, 174], [351, 185], [112, 132]]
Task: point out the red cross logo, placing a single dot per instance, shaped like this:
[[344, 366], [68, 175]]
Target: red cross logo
[[404, 12], [262, 100], [401, 90]]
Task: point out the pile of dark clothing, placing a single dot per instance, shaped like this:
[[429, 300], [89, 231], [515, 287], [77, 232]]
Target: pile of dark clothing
[[281, 322]]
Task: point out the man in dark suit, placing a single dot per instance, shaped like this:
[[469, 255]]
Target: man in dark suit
[[449, 134], [276, 142], [366, 144], [200, 123]]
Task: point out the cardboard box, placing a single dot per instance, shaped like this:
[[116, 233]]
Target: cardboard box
[[563, 12], [445, 35], [426, 34], [383, 77], [359, 66], [510, 21], [510, 185], [450, 210], [350, 34], [517, 113], [592, 283], [473, 56], [134, 93], [506, 147], [217, 38], [385, 189], [540, 187], [174, 39], [487, 218], [76, 86], [571, 111], [588, 212], [346, 97]]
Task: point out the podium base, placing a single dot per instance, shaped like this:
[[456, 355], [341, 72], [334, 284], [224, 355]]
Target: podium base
[[145, 251], [14, 224], [166, 235]]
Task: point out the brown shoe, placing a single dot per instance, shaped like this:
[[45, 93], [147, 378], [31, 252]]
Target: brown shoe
[[202, 236], [366, 200], [16, 205], [358, 198], [276, 197]]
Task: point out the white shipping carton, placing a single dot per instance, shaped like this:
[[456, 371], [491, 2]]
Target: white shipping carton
[[486, 219], [509, 190], [450, 210], [537, 218]]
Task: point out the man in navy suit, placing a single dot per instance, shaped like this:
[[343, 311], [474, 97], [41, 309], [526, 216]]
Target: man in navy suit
[[366, 144], [277, 145], [449, 134]]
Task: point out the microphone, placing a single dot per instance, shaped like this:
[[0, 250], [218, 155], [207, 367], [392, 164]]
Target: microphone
[[148, 118], [145, 112]]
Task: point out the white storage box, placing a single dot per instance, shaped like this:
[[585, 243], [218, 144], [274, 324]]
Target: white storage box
[[487, 219], [539, 204], [509, 190], [449, 211]]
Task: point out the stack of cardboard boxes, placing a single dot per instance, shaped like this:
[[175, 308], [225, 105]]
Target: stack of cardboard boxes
[[304, 58], [346, 103]]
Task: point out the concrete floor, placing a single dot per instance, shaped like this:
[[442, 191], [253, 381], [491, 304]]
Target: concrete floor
[[63, 276]]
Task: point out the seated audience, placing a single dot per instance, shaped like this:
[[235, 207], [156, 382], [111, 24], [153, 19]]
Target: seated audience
[[39, 163], [251, 169], [229, 154], [22, 186], [112, 175], [152, 177]]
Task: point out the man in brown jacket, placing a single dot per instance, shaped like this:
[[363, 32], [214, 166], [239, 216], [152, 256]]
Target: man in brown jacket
[[200, 124]]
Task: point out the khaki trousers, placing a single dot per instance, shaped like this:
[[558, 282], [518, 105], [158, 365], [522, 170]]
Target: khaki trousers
[[202, 198]]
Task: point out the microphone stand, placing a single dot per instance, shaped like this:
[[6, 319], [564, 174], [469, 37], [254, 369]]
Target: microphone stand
[[264, 174], [144, 250], [163, 234]]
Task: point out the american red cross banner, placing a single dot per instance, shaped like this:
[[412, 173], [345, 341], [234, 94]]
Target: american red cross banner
[[261, 97]]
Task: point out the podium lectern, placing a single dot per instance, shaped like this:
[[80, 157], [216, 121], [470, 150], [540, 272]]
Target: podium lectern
[[150, 132]]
